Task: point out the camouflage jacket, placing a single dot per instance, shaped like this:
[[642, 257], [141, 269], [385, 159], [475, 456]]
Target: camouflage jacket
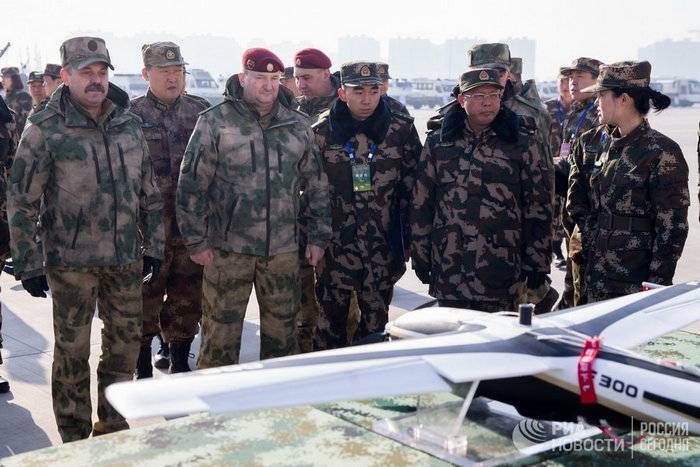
[[100, 205], [395, 105], [241, 176], [482, 209], [366, 251], [528, 105], [21, 103], [315, 106], [167, 130], [557, 113], [8, 145], [637, 199], [582, 116]]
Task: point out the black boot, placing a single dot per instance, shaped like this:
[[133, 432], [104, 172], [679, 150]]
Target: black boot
[[143, 364], [162, 360], [4, 385], [179, 353]]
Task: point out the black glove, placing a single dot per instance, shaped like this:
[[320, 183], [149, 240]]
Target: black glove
[[535, 279], [36, 286], [151, 269], [423, 275]]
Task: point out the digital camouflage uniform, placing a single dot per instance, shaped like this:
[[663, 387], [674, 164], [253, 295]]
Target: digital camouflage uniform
[[309, 308], [100, 212], [557, 113], [482, 212], [173, 302], [18, 100], [370, 227], [631, 202], [582, 116], [238, 195]]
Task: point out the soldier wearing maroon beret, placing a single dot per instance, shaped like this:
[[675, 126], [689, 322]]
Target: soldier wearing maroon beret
[[318, 87], [237, 208]]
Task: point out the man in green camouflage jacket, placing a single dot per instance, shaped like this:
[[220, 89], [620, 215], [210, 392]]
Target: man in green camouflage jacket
[[83, 173], [370, 155], [317, 85], [482, 203], [16, 97], [237, 208]]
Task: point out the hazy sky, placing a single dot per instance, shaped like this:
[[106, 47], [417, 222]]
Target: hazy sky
[[610, 30]]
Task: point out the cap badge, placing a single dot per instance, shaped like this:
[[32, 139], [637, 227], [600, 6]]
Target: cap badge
[[364, 71], [483, 76], [92, 45], [270, 67], [250, 63], [170, 54]]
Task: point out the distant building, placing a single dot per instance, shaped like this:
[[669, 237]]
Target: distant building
[[673, 58], [454, 57], [352, 48], [413, 58], [524, 48]]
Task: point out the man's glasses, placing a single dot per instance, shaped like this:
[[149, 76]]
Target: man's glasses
[[480, 98]]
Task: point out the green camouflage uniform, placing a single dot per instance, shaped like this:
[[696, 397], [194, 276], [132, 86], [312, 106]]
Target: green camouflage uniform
[[369, 227], [239, 196], [100, 212], [18, 100], [315, 106], [631, 202], [174, 299], [482, 211], [582, 117]]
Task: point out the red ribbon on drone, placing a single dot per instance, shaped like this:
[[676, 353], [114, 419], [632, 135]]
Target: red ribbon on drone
[[586, 384]]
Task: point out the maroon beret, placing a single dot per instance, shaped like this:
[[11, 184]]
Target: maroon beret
[[262, 60], [311, 58]]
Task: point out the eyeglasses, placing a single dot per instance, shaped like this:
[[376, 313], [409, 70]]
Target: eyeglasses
[[480, 98]]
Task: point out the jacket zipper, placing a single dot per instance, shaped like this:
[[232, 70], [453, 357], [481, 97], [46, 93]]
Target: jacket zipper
[[114, 192], [252, 154], [267, 193], [97, 165]]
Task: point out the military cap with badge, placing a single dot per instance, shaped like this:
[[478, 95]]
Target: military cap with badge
[[162, 54], [79, 52]]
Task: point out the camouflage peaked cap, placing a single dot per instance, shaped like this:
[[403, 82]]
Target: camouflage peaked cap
[[359, 74], [80, 52], [9, 71], [516, 65], [162, 54], [52, 70], [495, 55], [622, 75], [383, 70], [585, 64], [479, 77], [35, 76]]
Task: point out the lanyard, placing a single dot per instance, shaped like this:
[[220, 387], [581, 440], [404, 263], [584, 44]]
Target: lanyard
[[351, 152], [581, 118]]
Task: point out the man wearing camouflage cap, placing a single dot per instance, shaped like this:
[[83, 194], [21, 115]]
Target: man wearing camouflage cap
[[370, 155], [288, 81], [82, 172], [394, 105], [35, 82], [582, 117], [237, 210], [172, 304], [16, 97], [52, 80], [526, 103], [481, 206]]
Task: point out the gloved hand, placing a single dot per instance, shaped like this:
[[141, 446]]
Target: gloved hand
[[36, 286], [534, 279], [151, 269], [423, 275]]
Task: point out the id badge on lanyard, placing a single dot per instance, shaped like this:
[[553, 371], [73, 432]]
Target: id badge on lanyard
[[565, 149], [361, 173]]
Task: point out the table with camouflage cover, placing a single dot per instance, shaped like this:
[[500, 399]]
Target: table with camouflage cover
[[335, 434]]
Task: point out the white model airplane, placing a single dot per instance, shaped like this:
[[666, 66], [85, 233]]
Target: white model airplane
[[533, 367]]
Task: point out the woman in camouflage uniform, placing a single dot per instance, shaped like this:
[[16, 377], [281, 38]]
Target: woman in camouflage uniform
[[628, 188]]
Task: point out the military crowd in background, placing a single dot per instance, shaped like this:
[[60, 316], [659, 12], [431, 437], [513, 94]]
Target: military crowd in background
[[314, 188]]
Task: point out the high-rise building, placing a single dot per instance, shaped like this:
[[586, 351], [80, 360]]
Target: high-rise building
[[352, 48], [413, 58]]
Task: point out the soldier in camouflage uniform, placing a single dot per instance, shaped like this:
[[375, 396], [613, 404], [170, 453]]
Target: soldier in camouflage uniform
[[582, 117], [524, 101], [35, 82], [370, 154], [558, 108], [15, 97], [83, 172], [482, 212], [172, 304], [8, 143], [394, 105], [317, 85], [629, 196], [287, 80], [52, 80], [237, 208]]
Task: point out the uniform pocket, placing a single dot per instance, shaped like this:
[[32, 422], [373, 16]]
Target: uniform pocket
[[626, 256]]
